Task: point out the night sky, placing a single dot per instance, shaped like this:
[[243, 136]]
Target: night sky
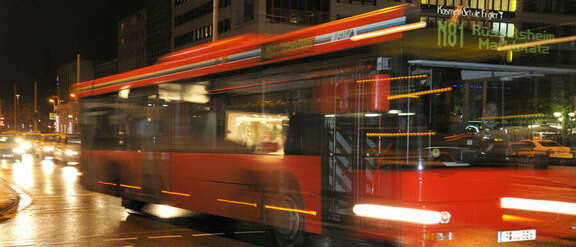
[[36, 36]]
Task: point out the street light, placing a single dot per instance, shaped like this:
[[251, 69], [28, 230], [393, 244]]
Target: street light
[[74, 98], [51, 101], [54, 99], [16, 106], [557, 114]]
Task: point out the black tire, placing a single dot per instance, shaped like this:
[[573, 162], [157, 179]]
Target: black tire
[[443, 158], [133, 205], [286, 229]]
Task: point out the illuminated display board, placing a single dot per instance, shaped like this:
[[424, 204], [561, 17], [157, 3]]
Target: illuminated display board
[[451, 34], [477, 9]]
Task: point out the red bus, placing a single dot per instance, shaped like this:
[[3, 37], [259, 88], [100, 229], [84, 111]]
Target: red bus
[[383, 126]]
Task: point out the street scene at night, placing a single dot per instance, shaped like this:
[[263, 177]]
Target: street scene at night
[[288, 123]]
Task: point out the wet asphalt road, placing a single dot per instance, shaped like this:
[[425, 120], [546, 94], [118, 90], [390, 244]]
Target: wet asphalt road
[[62, 213], [57, 211]]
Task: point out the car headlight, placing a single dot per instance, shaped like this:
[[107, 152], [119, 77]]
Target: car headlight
[[69, 152], [25, 145], [48, 148]]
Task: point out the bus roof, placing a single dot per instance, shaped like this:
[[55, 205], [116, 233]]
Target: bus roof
[[250, 50]]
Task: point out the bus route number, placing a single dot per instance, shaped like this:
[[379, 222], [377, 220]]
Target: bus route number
[[450, 34]]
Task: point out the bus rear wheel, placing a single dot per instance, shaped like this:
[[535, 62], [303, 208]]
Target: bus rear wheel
[[284, 228]]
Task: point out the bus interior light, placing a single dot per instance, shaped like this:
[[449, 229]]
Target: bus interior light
[[420, 216], [124, 93]]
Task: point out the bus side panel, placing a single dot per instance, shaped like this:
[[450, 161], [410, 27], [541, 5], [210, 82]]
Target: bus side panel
[[231, 185], [308, 171], [106, 170]]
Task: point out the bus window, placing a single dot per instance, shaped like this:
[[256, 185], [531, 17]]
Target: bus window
[[261, 132]]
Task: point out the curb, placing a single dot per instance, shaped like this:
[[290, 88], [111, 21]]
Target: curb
[[11, 209]]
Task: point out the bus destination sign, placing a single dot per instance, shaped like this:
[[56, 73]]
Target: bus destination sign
[[286, 48]]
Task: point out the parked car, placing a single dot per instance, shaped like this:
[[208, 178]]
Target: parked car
[[67, 150]]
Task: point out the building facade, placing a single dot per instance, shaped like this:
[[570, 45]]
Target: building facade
[[66, 104], [106, 68], [159, 29], [529, 20], [192, 20], [132, 32], [66, 76]]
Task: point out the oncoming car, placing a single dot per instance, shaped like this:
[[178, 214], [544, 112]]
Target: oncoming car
[[7, 145], [47, 145], [67, 151], [30, 142]]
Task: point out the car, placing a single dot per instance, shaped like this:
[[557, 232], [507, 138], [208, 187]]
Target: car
[[30, 142], [555, 152], [26, 143], [67, 150], [7, 146], [47, 145]]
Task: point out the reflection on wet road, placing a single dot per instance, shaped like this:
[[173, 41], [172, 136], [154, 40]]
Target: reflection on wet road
[[60, 212]]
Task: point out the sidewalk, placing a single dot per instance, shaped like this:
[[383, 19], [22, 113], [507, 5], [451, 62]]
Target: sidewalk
[[8, 200]]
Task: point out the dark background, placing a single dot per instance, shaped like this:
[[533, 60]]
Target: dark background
[[36, 36]]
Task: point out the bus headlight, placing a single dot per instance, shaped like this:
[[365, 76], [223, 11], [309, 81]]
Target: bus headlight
[[412, 215], [69, 152]]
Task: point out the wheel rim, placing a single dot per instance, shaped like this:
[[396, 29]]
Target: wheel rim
[[286, 225]]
